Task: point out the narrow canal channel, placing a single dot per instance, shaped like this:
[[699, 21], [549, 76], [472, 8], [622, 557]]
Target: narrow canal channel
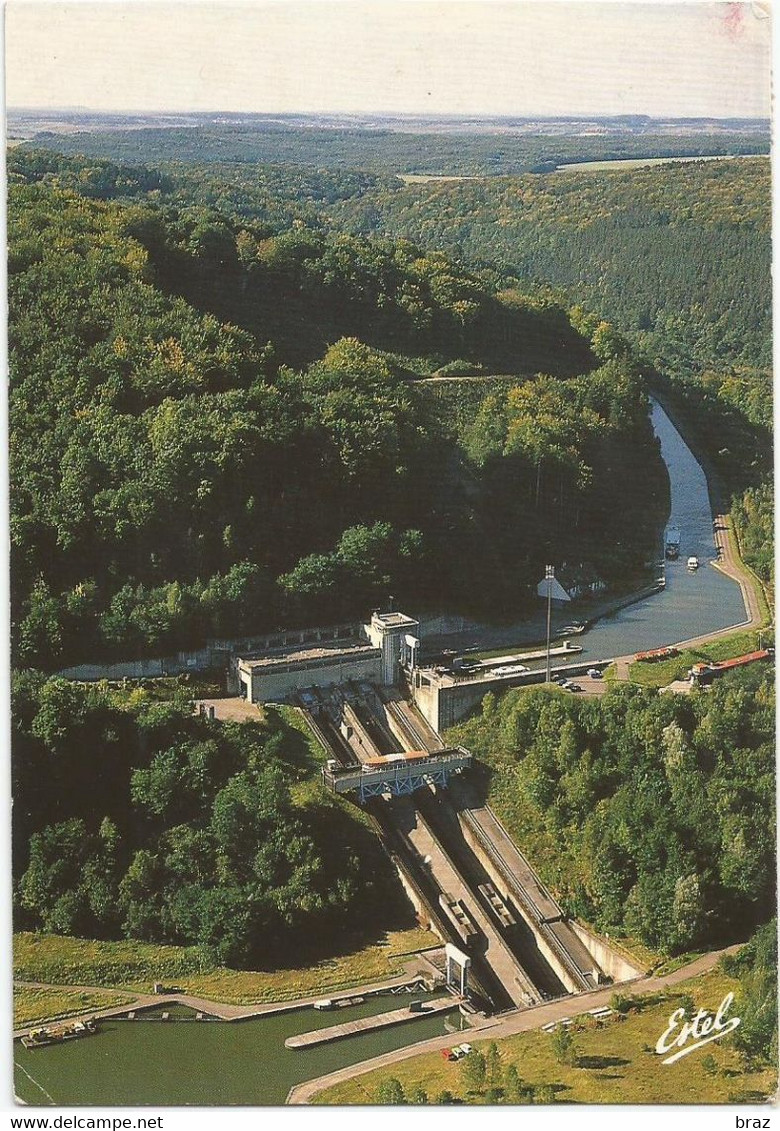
[[691, 604], [208, 1062]]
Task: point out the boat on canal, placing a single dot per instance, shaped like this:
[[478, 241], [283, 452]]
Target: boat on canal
[[55, 1035], [672, 543]]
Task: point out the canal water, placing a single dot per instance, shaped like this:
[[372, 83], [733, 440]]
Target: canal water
[[208, 1062], [691, 604]]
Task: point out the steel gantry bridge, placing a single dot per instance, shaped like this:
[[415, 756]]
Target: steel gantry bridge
[[396, 774]]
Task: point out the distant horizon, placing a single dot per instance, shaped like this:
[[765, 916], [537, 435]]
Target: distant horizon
[[526, 116], [53, 111]]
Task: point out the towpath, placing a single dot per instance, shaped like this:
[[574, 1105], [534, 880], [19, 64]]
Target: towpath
[[222, 1010], [730, 563]]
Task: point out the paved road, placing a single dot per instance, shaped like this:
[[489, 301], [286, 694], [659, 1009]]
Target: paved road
[[516, 1022]]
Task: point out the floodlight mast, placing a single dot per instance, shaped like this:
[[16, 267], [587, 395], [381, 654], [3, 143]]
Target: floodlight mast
[[549, 575]]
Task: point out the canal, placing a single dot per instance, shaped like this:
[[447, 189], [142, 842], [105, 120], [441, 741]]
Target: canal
[[691, 604], [208, 1062]]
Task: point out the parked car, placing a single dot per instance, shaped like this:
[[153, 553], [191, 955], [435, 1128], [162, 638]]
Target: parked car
[[594, 673], [457, 1052], [573, 687]]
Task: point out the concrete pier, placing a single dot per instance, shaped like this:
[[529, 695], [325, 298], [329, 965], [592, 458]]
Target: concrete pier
[[366, 1024]]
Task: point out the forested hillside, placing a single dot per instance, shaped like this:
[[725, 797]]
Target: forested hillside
[[465, 153], [137, 819], [678, 255], [217, 427], [176, 476], [649, 814]]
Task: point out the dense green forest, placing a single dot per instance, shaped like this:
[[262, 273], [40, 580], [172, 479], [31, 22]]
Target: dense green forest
[[390, 151], [210, 464], [138, 819], [756, 967], [658, 251], [649, 814], [678, 256]]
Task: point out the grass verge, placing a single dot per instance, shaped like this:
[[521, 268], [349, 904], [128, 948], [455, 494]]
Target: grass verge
[[726, 648], [63, 960], [32, 1005]]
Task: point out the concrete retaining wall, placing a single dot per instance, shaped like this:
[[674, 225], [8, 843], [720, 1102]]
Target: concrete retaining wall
[[416, 899], [445, 706], [500, 884], [615, 965], [142, 669], [447, 625], [216, 654]]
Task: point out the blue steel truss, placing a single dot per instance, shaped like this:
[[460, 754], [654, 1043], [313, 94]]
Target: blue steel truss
[[399, 785]]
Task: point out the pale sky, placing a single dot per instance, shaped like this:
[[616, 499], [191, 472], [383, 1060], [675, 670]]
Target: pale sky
[[403, 56]]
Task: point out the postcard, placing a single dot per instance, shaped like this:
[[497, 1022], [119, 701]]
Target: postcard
[[391, 568]]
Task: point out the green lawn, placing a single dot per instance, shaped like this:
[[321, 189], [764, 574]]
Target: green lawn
[[726, 648], [64, 961], [614, 1062], [33, 1005]]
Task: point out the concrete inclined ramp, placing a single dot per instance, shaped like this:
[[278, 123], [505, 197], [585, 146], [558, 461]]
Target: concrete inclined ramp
[[542, 912], [497, 954]]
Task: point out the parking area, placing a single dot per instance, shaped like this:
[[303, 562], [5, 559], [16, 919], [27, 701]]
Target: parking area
[[588, 685]]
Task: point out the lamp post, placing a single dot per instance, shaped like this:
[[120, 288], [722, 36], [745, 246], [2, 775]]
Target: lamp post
[[549, 574]]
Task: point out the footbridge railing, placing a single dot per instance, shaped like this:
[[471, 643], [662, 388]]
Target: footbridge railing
[[397, 774]]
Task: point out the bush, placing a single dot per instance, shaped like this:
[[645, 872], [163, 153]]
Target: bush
[[390, 1092], [563, 1046]]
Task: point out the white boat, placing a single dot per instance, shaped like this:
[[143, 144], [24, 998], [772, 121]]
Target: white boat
[[693, 563]]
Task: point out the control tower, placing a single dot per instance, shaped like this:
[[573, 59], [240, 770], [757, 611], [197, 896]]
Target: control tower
[[392, 633]]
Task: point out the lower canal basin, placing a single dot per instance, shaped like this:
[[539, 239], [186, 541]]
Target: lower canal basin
[[208, 1063]]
